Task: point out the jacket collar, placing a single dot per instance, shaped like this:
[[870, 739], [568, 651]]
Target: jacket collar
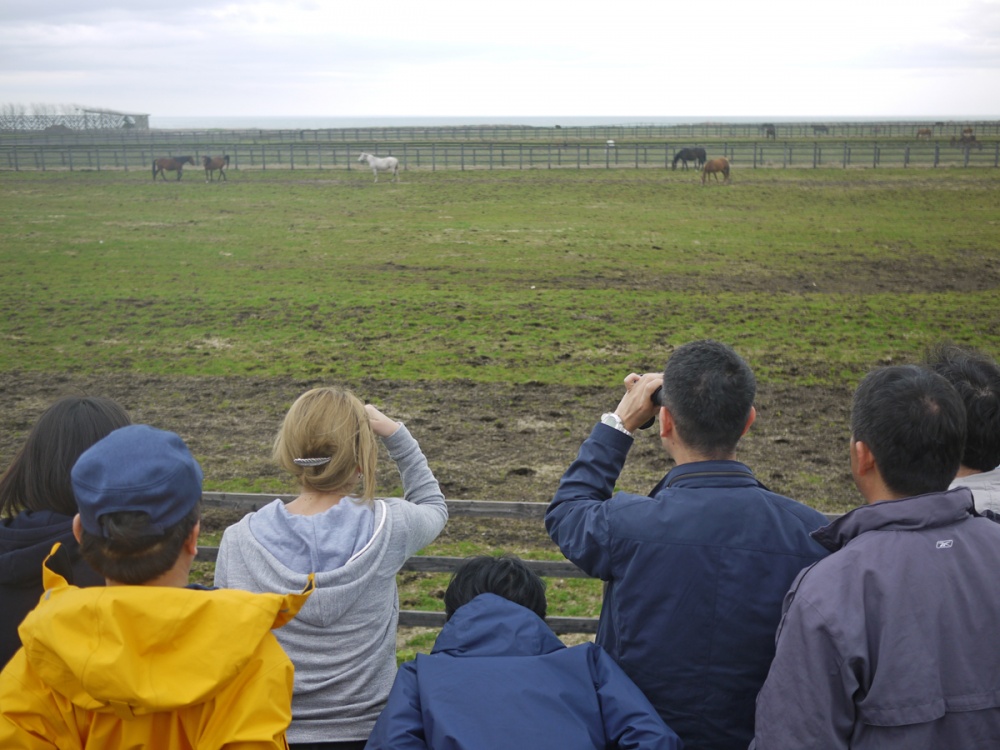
[[490, 625], [909, 514], [708, 474]]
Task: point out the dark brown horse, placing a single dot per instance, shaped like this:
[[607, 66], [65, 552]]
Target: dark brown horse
[[685, 155], [714, 167], [171, 164], [769, 131], [213, 163]]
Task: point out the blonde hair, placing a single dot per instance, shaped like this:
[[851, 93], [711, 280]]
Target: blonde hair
[[329, 423]]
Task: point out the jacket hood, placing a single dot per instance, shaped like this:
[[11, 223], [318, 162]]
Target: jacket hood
[[490, 625], [921, 511], [142, 649], [25, 541], [337, 591]]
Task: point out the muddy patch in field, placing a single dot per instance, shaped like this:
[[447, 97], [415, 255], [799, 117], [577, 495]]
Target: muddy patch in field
[[483, 441]]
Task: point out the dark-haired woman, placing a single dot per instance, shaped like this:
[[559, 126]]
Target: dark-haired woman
[[37, 506]]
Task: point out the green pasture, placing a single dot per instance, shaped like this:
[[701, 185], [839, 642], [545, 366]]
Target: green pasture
[[556, 276]]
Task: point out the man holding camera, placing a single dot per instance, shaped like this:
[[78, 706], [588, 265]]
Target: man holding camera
[[694, 573]]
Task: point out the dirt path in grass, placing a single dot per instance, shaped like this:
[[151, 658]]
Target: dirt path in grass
[[484, 442]]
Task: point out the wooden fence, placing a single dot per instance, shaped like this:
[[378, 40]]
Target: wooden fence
[[431, 564], [504, 156]]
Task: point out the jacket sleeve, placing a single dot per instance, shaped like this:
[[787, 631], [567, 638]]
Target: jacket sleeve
[[577, 518], [425, 510], [400, 726], [806, 702], [630, 721], [26, 716], [254, 711]]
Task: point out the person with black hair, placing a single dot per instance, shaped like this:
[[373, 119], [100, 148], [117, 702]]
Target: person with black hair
[[498, 677], [976, 377], [37, 507], [147, 660], [695, 572], [890, 641]]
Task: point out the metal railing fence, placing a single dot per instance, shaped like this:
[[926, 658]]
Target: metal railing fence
[[756, 154]]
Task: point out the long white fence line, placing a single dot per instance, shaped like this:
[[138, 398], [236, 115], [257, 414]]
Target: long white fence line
[[431, 564]]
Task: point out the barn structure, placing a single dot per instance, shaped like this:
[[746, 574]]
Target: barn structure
[[84, 119]]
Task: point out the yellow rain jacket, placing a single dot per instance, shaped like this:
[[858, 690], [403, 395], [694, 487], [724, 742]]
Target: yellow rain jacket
[[149, 667]]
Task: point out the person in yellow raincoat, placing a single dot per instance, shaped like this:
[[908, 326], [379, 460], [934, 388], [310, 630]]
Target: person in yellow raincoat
[[147, 661]]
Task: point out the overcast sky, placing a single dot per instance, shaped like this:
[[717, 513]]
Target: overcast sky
[[717, 58]]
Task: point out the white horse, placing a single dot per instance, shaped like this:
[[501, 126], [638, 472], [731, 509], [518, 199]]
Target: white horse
[[387, 164]]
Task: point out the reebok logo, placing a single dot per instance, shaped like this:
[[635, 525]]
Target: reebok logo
[[944, 543]]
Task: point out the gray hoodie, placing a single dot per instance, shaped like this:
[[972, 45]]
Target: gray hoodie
[[343, 642], [985, 489]]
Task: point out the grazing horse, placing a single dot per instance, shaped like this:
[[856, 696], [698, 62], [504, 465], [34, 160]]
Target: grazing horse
[[386, 164], [171, 164], [714, 167], [213, 163], [967, 141], [685, 155], [924, 133], [817, 129]]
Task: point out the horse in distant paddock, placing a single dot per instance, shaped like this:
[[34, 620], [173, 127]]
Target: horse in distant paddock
[[171, 164], [820, 129], [924, 133], [386, 164], [770, 132], [213, 163], [714, 167], [685, 155]]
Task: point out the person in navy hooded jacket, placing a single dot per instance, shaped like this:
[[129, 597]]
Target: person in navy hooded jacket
[[696, 571], [498, 677]]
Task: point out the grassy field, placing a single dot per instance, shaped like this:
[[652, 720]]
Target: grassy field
[[556, 277], [562, 279]]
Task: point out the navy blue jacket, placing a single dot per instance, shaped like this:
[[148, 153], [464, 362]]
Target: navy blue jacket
[[498, 677], [25, 542], [695, 576]]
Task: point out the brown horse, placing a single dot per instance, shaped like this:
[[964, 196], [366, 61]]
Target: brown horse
[[715, 166], [924, 133], [171, 164], [213, 163]]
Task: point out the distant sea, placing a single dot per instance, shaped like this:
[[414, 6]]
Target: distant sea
[[224, 122]]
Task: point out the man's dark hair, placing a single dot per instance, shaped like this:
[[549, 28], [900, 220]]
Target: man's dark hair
[[709, 390], [976, 377], [913, 422], [505, 576], [39, 476], [129, 553]]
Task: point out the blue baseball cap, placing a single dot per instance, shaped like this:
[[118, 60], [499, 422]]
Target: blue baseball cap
[[137, 468]]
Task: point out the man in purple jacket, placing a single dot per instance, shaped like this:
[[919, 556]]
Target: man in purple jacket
[[695, 572], [891, 642]]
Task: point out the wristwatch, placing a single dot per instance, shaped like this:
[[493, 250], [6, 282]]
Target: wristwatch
[[613, 420]]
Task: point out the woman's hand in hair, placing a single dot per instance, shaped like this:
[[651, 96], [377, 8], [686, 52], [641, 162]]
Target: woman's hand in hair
[[381, 424]]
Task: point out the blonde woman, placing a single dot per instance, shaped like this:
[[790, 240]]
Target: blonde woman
[[343, 642]]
